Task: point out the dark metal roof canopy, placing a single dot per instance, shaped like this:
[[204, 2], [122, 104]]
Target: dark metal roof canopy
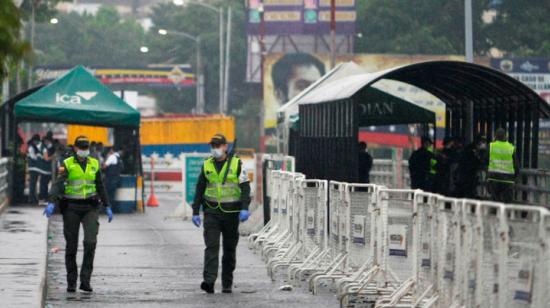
[[478, 100]]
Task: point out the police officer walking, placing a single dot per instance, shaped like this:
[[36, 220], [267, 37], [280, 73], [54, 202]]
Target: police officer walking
[[77, 190], [503, 168], [223, 191]]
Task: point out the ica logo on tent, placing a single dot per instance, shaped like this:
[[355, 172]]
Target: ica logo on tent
[[74, 99]]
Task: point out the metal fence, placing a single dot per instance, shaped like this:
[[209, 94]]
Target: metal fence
[[380, 247], [532, 186], [4, 180]]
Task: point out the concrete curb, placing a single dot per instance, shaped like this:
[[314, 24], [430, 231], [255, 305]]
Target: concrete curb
[[4, 205], [43, 288]]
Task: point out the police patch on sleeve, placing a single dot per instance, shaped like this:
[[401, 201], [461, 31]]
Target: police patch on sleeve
[[243, 177]]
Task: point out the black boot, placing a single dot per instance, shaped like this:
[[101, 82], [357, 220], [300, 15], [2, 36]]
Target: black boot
[[85, 286], [87, 266], [227, 289], [71, 286], [207, 287]]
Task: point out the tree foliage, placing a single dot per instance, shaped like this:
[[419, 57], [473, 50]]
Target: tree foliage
[[197, 20], [416, 27], [105, 39], [521, 28], [12, 47]]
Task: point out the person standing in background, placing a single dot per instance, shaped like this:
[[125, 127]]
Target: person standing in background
[[112, 169], [420, 165], [46, 167], [364, 163], [503, 168], [37, 157]]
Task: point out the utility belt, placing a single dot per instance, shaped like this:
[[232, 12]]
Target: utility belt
[[90, 203], [225, 207], [501, 177]]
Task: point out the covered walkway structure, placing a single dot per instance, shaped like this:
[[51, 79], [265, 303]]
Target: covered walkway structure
[[478, 100]]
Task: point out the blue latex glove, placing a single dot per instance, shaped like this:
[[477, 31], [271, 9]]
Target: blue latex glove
[[196, 220], [50, 208], [109, 213], [243, 215]]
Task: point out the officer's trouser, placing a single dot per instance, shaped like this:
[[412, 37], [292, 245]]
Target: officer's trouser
[[501, 192], [228, 226], [72, 218]]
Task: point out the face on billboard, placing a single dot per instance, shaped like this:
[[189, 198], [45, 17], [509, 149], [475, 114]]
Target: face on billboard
[[302, 77], [293, 73]]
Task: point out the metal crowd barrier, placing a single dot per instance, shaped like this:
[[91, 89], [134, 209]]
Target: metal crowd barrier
[[380, 247], [3, 181]]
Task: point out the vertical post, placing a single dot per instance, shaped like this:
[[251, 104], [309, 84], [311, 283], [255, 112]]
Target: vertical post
[[469, 129], [33, 25], [201, 76], [227, 65], [221, 85], [469, 44], [152, 191], [332, 33], [200, 80], [262, 60], [6, 87]]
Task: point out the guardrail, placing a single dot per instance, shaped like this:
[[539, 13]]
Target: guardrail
[[381, 247], [4, 180], [532, 186]]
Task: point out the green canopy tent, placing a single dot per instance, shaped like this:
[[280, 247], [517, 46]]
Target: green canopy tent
[[77, 98]]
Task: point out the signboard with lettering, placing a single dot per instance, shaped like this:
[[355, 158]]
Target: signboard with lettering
[[300, 16], [535, 73], [191, 171], [170, 76]]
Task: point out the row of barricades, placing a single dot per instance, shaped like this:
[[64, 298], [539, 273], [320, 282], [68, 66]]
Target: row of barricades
[[380, 247]]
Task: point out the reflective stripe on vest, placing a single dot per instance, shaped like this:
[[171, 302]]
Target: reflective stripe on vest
[[501, 161], [218, 193], [433, 162], [80, 184]]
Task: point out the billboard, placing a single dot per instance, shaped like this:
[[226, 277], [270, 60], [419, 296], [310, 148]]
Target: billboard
[[170, 76], [286, 75], [299, 17], [534, 72]]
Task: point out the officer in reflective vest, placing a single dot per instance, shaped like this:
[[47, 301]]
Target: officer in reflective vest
[[223, 191], [78, 190], [503, 168]]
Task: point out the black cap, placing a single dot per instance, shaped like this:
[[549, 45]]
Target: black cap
[[426, 139], [218, 139], [82, 142]]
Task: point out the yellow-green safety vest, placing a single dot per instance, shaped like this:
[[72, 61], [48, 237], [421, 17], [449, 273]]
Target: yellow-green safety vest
[[433, 162], [218, 192], [80, 184], [501, 162]]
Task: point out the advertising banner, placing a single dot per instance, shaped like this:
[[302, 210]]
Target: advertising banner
[[286, 75], [308, 17], [535, 73], [172, 76]]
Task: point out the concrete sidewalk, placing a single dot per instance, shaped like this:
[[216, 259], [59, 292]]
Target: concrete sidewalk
[[149, 261], [23, 250]]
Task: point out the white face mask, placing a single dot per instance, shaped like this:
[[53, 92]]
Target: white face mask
[[217, 153], [83, 153]]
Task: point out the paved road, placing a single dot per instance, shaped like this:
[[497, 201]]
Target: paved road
[[149, 261]]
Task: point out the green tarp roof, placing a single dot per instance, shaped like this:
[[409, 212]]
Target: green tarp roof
[[376, 107], [77, 98]]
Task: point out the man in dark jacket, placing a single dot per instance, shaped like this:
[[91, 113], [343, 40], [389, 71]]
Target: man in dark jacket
[[364, 163], [420, 166]]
